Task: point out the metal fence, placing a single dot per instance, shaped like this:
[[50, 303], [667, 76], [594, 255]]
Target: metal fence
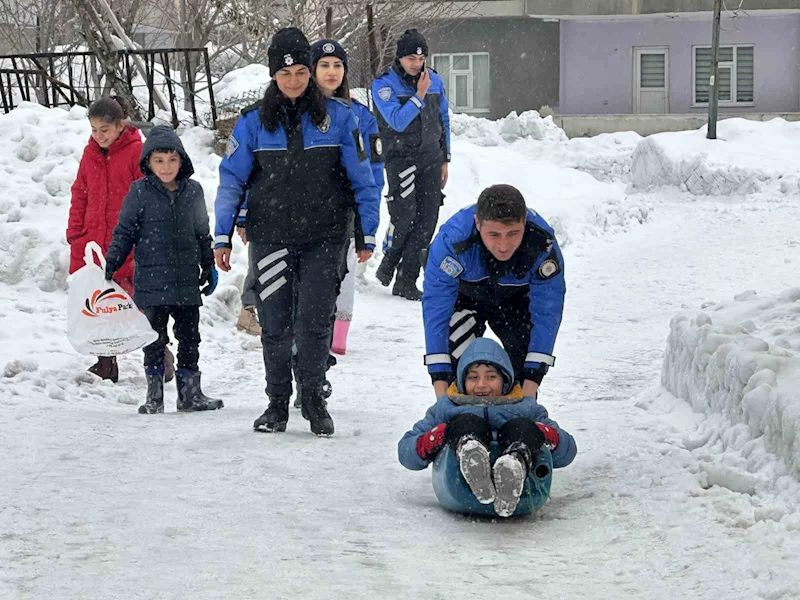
[[182, 76]]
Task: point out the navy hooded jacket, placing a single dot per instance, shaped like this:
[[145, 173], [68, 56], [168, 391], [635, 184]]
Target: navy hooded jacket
[[170, 231]]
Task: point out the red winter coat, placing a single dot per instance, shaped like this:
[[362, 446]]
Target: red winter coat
[[97, 194]]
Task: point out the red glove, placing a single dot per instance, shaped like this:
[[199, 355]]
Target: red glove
[[428, 444], [550, 436]]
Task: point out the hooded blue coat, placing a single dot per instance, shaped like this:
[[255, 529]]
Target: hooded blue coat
[[170, 231], [455, 402], [449, 486]]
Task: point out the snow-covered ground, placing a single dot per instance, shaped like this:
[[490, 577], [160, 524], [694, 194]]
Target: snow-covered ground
[[692, 495]]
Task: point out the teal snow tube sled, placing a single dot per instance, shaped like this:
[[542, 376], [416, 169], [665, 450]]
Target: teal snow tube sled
[[454, 493]]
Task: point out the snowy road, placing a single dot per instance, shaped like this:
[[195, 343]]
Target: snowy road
[[99, 502]]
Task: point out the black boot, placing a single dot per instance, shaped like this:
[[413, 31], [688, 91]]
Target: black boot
[[154, 403], [106, 368], [409, 292], [327, 388], [275, 417], [190, 395], [385, 273], [314, 409]]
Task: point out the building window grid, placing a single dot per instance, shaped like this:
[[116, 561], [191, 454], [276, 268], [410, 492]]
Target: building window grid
[[450, 77], [732, 67]]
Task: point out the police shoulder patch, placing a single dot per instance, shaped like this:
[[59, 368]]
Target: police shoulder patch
[[451, 266], [385, 93], [548, 268], [232, 147], [325, 125]]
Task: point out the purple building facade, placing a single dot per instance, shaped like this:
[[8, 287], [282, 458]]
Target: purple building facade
[[661, 64]]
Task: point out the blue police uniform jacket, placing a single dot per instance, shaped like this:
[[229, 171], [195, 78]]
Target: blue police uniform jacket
[[456, 264], [299, 188], [368, 126], [411, 126]]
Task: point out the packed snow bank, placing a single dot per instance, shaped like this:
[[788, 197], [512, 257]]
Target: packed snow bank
[[483, 132], [738, 360], [747, 157]]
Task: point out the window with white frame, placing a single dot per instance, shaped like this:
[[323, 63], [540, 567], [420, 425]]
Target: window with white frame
[[736, 75], [466, 80]]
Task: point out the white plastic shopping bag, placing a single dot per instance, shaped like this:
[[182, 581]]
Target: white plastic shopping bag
[[102, 319]]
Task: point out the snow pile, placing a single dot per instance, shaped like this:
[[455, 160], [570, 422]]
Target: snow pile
[[747, 157], [483, 132], [40, 159], [40, 154], [606, 157], [737, 360], [577, 205], [249, 81]]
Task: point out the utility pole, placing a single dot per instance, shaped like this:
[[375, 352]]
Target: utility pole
[[713, 100]]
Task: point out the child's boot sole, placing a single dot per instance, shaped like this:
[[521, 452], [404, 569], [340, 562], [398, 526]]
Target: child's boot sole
[[509, 480], [475, 465]]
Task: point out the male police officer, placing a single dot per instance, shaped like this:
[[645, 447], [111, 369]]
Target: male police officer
[[415, 130], [495, 262]]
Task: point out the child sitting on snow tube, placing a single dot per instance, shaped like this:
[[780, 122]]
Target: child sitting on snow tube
[[493, 449]]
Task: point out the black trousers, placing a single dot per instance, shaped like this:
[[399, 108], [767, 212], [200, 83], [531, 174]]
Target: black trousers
[[186, 331], [509, 318], [296, 287], [414, 199]]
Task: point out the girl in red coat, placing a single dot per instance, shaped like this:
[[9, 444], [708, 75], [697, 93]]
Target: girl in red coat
[[110, 164]]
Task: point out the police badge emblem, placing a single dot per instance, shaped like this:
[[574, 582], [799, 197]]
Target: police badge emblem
[[419, 50], [385, 93], [288, 60], [325, 125], [548, 268], [328, 48]]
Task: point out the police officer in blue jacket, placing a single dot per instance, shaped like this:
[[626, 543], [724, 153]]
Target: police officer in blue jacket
[[496, 263], [412, 113], [301, 160]]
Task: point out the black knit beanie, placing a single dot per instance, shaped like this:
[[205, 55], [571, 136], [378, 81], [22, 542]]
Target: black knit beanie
[[411, 42], [289, 47], [324, 48]]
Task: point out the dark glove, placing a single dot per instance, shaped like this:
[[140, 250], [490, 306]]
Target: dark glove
[[209, 279], [110, 272], [550, 435], [429, 444]]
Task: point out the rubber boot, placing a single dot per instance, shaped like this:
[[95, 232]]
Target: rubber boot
[[154, 402], [340, 330], [275, 417], [190, 394]]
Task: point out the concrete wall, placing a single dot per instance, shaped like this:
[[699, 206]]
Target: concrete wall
[[523, 59], [591, 125], [597, 61]]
